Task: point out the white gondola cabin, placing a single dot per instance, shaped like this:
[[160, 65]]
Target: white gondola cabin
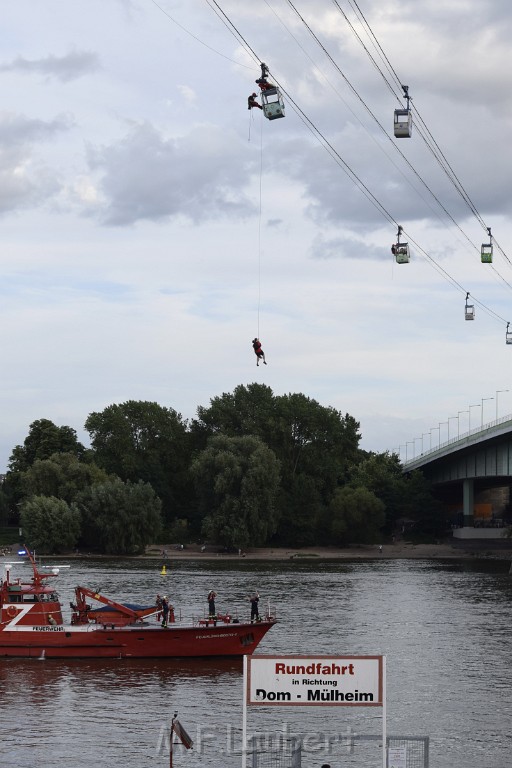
[[508, 335], [403, 124], [403, 119], [272, 103], [469, 310], [486, 250]]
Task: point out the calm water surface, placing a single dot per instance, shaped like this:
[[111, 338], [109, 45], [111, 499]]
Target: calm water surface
[[443, 626]]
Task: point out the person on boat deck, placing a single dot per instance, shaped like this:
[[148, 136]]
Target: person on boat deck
[[158, 603], [211, 604], [254, 598], [251, 102], [260, 355], [165, 611]]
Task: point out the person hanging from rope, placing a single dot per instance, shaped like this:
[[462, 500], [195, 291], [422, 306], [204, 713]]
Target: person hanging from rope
[[251, 102], [260, 355]]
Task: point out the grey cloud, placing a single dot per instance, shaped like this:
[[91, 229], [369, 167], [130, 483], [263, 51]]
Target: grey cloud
[[145, 176], [24, 182], [16, 129], [65, 68]]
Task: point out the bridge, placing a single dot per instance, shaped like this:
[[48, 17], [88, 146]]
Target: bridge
[[472, 467]]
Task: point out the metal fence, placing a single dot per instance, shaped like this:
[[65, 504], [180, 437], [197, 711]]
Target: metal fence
[[416, 749], [357, 750]]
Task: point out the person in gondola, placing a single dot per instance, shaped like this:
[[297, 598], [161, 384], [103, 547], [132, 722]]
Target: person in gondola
[[393, 249], [260, 355], [251, 102], [211, 604], [262, 81]]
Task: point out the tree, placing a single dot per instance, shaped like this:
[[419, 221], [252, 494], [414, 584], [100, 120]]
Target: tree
[[140, 440], [4, 508], [405, 496], [357, 516], [50, 525], [43, 440], [236, 481], [382, 474], [315, 446], [62, 475], [249, 410], [119, 518]]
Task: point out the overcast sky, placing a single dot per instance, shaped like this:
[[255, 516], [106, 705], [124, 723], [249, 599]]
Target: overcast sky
[[152, 225]]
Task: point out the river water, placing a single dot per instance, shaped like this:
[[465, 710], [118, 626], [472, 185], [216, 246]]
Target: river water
[[444, 627]]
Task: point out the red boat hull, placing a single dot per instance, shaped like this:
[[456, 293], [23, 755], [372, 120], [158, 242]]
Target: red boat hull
[[32, 626], [69, 642]]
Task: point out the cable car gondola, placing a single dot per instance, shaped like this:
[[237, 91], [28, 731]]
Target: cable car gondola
[[400, 250], [508, 335], [469, 311], [403, 119], [486, 251], [271, 98]]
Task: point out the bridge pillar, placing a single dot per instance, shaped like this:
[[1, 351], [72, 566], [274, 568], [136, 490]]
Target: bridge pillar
[[468, 497]]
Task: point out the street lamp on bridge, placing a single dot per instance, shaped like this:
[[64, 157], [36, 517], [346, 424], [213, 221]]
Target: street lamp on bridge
[[482, 412], [450, 417], [431, 430], [458, 422], [440, 423], [498, 391], [476, 405]]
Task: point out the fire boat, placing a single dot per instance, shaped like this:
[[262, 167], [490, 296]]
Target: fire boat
[[32, 626]]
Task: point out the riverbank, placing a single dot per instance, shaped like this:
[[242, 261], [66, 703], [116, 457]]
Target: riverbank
[[397, 551]]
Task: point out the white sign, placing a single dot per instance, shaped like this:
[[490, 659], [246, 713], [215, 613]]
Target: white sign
[[350, 681], [397, 757]]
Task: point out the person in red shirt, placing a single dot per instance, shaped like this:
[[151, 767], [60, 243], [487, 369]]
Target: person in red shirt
[[251, 102], [260, 355]]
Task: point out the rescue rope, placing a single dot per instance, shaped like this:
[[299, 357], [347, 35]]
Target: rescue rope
[[259, 226]]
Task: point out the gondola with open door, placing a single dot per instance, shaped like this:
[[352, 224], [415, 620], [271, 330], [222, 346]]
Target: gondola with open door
[[400, 250], [403, 118], [271, 98]]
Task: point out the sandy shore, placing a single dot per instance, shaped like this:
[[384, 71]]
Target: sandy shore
[[399, 550]]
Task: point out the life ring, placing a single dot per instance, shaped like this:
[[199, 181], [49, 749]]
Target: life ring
[[11, 611]]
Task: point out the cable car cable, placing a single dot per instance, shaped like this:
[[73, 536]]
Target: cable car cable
[[393, 144], [259, 227], [171, 18], [396, 148], [430, 142], [352, 175]]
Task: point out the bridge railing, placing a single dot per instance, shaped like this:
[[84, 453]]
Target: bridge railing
[[481, 431]]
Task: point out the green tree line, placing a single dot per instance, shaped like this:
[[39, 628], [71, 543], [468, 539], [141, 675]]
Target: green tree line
[[252, 469]]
